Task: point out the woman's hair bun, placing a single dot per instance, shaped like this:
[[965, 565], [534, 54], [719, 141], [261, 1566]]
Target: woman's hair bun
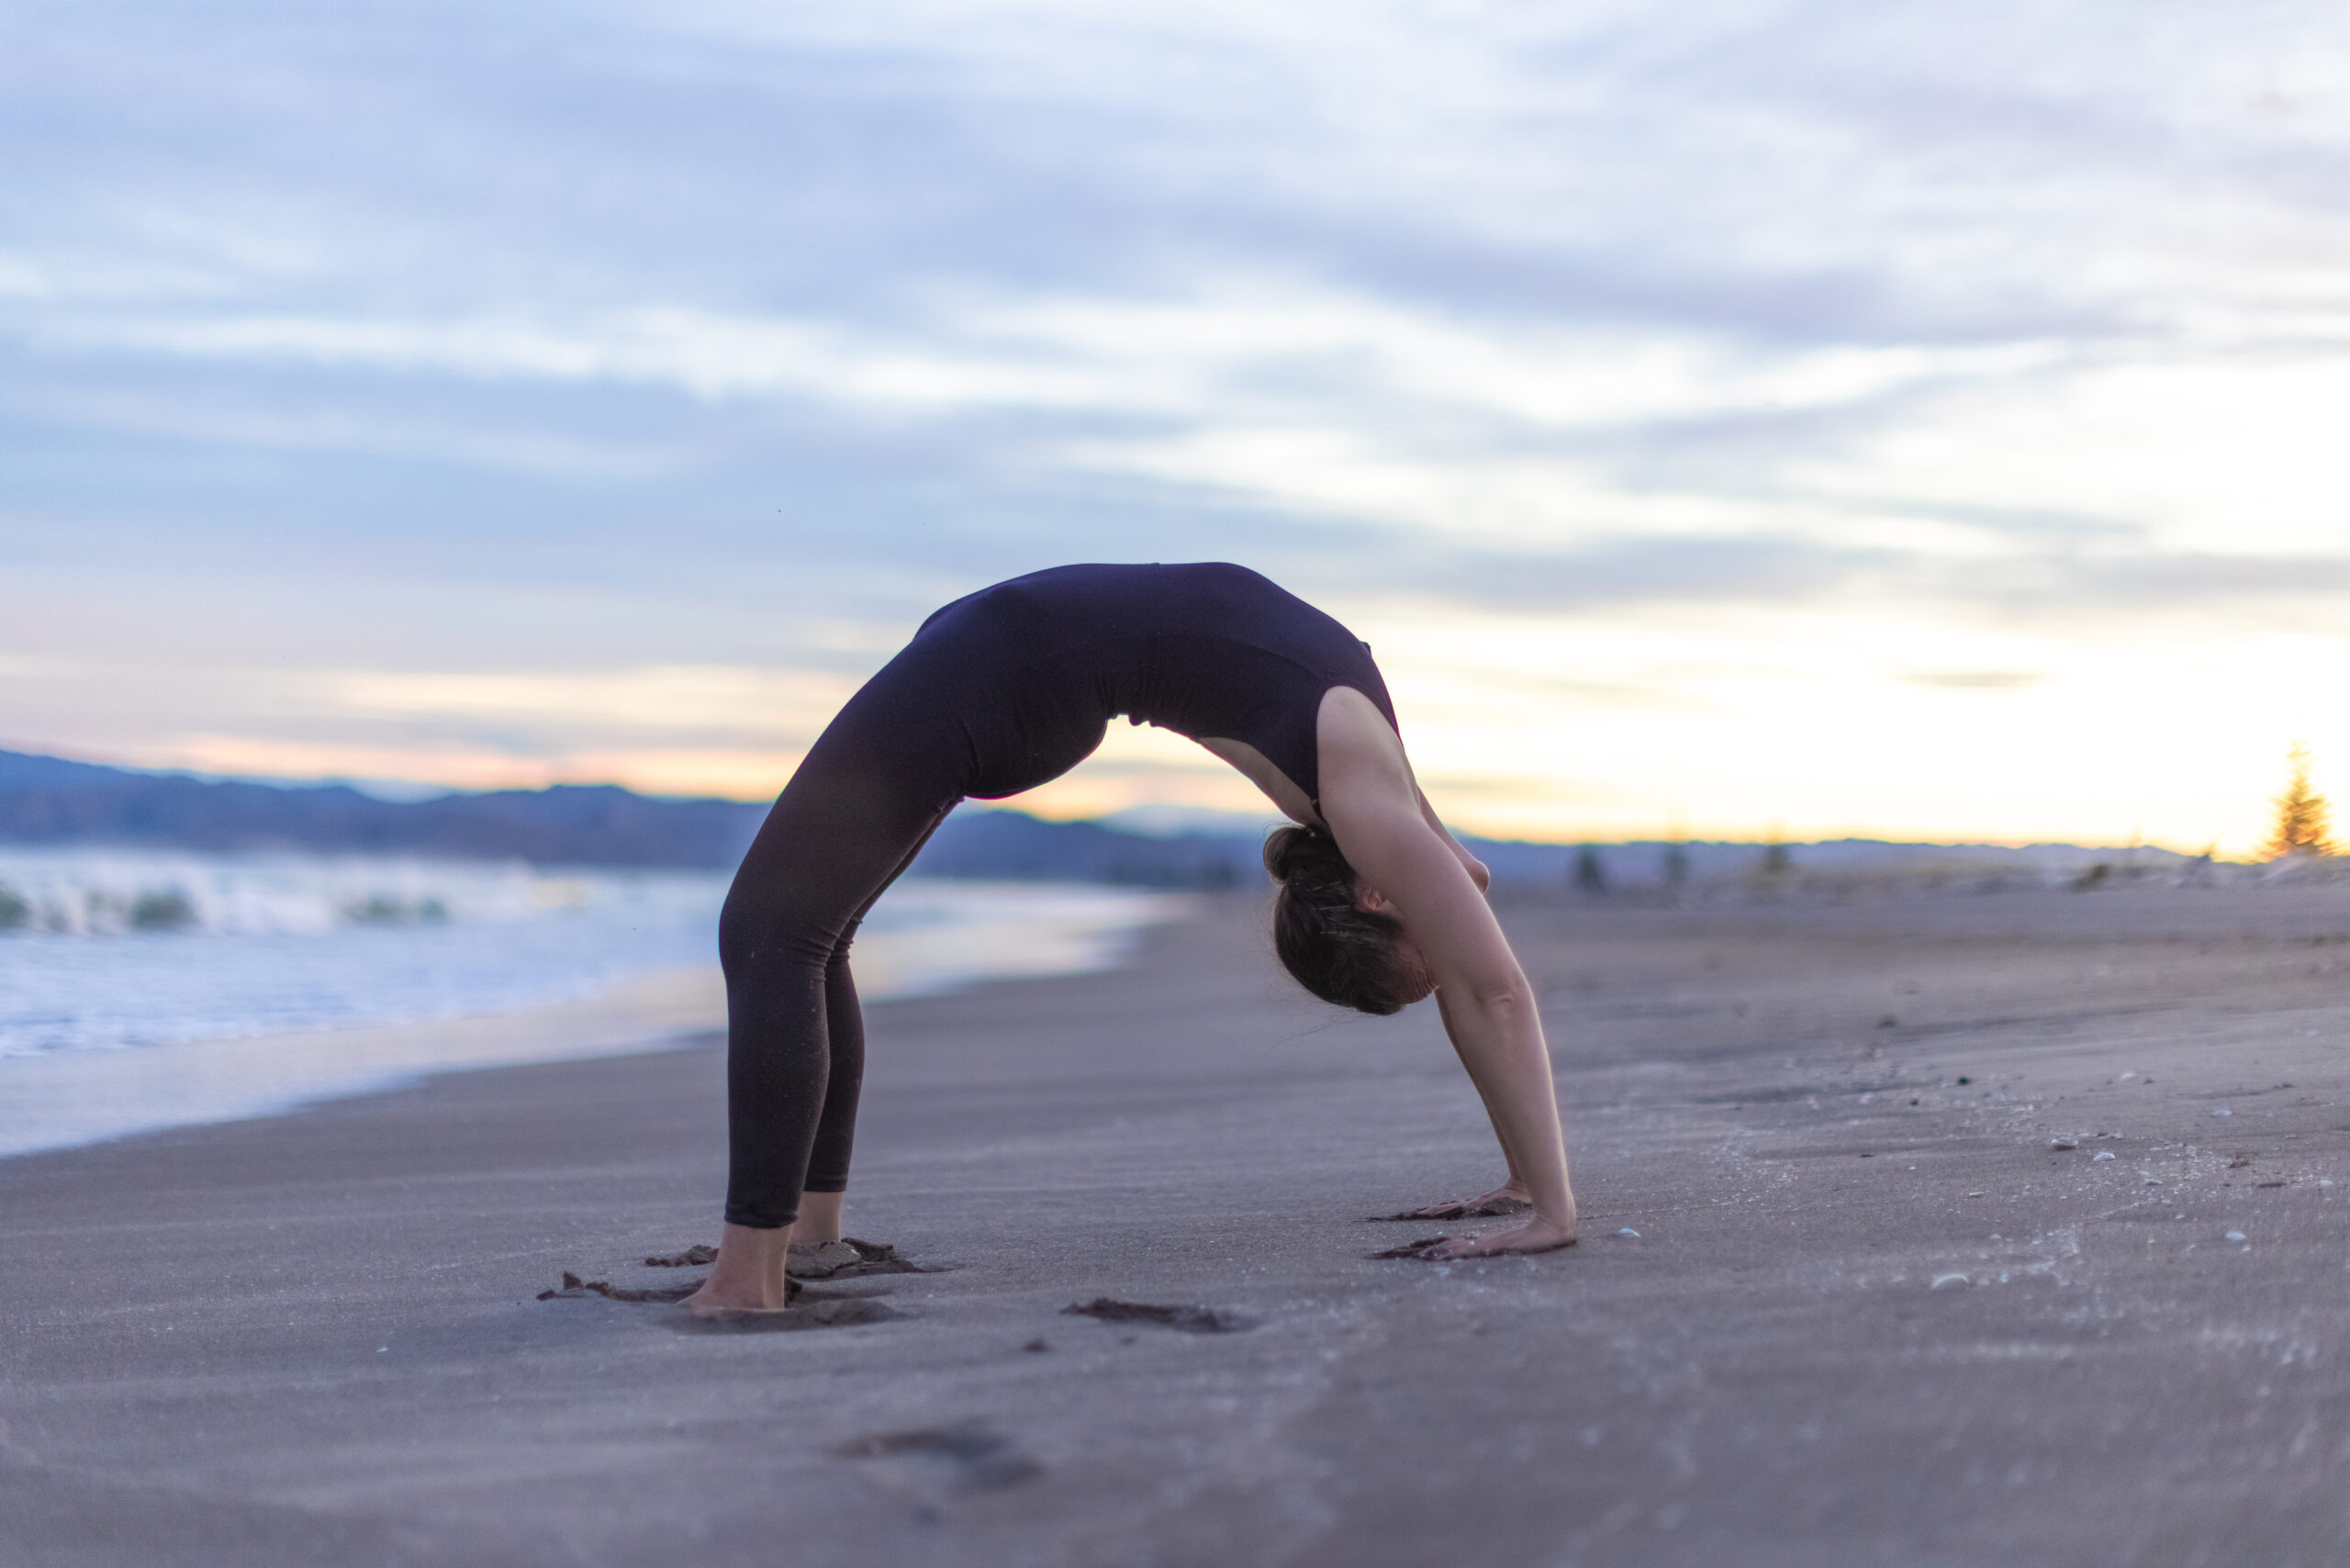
[[1340, 953], [1290, 851]]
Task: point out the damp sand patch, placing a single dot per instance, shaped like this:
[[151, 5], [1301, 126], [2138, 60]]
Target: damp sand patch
[[698, 1256], [861, 1258], [810, 1309], [1186, 1320], [807, 1309], [574, 1288], [1489, 1208], [1424, 1251]]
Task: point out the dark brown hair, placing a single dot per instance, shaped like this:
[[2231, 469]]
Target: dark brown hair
[[1338, 952]]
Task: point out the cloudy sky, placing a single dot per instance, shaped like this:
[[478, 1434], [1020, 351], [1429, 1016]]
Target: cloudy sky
[[1912, 420]]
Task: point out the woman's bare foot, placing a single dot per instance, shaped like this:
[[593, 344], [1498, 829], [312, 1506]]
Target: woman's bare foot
[[1537, 1235], [748, 1275], [752, 1271]]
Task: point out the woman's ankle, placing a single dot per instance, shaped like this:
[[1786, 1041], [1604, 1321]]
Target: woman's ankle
[[749, 1273], [820, 1218]]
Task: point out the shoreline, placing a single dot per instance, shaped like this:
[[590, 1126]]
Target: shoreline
[[76, 1098], [71, 1098]]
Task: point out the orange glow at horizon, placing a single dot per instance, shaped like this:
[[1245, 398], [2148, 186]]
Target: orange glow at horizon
[[1544, 728]]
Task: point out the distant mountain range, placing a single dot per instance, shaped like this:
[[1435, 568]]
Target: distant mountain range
[[49, 800], [44, 799]]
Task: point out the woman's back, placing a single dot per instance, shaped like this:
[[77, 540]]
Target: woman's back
[[1032, 670]]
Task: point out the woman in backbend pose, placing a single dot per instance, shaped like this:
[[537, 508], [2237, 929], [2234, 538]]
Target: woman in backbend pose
[[1016, 685]]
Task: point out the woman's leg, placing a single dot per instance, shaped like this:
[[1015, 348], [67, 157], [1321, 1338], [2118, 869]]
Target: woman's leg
[[828, 1153], [795, 1040], [851, 817], [844, 1027]]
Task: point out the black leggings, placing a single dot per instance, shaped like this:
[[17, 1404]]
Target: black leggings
[[852, 819], [997, 693]]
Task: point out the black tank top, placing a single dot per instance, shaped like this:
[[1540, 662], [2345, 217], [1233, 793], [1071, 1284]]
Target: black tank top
[[1035, 669]]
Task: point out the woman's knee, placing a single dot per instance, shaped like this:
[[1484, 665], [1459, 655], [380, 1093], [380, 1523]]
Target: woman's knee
[[757, 933]]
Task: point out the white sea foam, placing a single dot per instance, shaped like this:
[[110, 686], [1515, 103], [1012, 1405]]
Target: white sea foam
[[143, 989]]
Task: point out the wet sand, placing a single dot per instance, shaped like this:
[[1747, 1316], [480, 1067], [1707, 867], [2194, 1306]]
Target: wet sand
[[1872, 1315]]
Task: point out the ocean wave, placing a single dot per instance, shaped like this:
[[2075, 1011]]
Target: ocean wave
[[111, 951]]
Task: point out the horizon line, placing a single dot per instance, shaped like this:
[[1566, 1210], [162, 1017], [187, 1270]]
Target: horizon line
[[406, 792]]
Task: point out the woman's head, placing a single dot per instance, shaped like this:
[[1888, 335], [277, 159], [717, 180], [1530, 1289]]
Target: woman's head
[[1332, 945]]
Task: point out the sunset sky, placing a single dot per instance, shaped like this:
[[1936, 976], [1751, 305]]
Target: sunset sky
[[1907, 420]]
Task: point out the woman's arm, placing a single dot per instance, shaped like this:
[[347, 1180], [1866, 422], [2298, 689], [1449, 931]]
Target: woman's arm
[[1375, 812], [1503, 1048]]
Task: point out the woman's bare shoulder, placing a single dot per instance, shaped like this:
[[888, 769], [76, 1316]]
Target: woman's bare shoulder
[[1353, 736]]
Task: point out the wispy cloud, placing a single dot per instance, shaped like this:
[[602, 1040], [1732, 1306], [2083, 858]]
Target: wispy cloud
[[1979, 680], [670, 332]]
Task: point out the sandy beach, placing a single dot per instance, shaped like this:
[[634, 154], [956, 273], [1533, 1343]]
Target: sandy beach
[[1842, 1298]]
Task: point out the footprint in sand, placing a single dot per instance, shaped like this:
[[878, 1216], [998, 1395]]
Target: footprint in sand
[[1187, 1319], [934, 1463]]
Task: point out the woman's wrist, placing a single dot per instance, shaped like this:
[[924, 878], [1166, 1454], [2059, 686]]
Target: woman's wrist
[[1563, 1214]]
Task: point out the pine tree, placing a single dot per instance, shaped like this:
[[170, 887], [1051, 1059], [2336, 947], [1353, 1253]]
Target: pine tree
[[2302, 811]]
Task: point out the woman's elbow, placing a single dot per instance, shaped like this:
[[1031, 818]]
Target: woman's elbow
[[1503, 999]]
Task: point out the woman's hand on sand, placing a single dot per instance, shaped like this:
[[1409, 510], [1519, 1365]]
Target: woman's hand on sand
[[1537, 1235], [1509, 1198]]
